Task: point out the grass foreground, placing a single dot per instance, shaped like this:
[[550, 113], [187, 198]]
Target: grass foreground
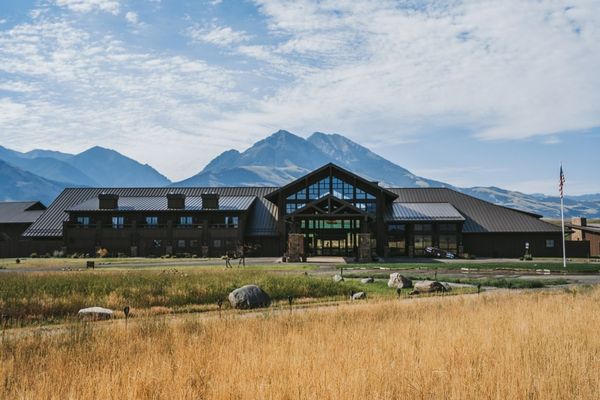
[[504, 345], [47, 297]]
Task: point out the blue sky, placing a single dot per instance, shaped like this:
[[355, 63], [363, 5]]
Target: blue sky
[[477, 93]]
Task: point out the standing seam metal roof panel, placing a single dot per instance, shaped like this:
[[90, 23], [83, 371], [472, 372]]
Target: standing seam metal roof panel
[[20, 212], [263, 216], [422, 212], [480, 216], [192, 203]]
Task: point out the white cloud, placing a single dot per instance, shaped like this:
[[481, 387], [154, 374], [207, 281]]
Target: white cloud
[[92, 90], [132, 17], [383, 72], [84, 6], [221, 36], [401, 70]]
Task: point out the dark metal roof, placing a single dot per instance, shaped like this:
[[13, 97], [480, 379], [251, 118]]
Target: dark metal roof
[[20, 212], [262, 221], [422, 212], [147, 203], [480, 216]]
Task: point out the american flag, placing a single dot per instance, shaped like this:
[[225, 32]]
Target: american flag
[[561, 183]]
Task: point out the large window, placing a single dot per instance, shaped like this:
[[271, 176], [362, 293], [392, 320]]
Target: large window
[[422, 227], [342, 189], [331, 186], [421, 243], [447, 227], [396, 227], [448, 243], [118, 222], [319, 189], [312, 224], [397, 246]]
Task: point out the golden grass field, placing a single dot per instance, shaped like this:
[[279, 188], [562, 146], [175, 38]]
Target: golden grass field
[[502, 345]]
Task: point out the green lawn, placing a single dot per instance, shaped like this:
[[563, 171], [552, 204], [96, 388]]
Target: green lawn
[[457, 265]]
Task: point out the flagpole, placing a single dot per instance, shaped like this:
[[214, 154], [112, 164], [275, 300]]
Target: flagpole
[[562, 216], [562, 225]]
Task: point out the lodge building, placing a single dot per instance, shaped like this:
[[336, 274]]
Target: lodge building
[[328, 212]]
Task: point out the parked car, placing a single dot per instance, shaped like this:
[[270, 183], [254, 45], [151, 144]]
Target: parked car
[[438, 253]]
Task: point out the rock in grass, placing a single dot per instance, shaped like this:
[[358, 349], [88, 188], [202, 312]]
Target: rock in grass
[[359, 296], [338, 278], [95, 313], [430, 287], [249, 296], [367, 280], [399, 281]]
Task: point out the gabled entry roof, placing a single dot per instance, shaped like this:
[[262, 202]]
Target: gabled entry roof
[[333, 169]]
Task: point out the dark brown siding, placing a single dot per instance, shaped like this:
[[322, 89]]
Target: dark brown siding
[[511, 245]]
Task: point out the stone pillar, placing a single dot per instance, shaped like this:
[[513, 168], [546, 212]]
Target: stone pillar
[[205, 252], [364, 247], [295, 250]]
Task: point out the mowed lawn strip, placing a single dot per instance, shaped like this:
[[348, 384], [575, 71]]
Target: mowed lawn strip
[[457, 265]]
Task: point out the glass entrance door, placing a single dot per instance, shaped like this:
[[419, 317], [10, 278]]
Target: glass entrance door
[[332, 247]]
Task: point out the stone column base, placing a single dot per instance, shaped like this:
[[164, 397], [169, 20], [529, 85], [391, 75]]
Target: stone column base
[[295, 251], [364, 247]]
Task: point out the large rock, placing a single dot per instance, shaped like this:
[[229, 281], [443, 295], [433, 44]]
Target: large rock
[[359, 296], [430, 287], [399, 281], [367, 280], [338, 278], [95, 313], [249, 296]]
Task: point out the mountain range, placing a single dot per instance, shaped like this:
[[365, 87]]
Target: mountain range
[[273, 161]]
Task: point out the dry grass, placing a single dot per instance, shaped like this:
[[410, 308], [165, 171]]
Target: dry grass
[[536, 345]]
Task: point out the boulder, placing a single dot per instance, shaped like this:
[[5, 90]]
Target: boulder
[[359, 296], [399, 281], [249, 296], [338, 278], [367, 280], [430, 287], [95, 313]]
